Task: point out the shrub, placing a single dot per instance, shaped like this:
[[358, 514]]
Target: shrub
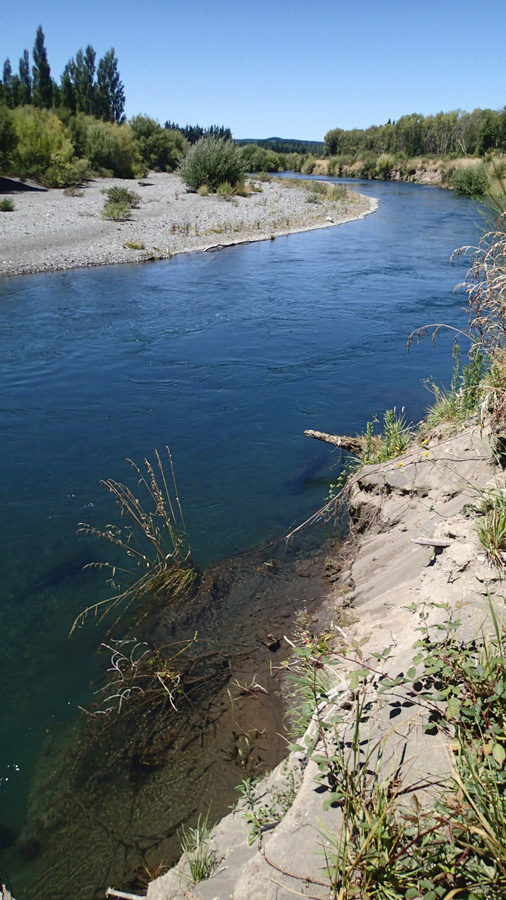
[[44, 149], [8, 138], [6, 205], [160, 148], [471, 182], [112, 148], [225, 190], [308, 165], [212, 161], [118, 212], [119, 194]]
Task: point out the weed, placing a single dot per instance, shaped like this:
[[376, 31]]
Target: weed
[[261, 817], [199, 854], [465, 395], [492, 530], [154, 540], [74, 190], [225, 190], [118, 212], [7, 205], [134, 245]]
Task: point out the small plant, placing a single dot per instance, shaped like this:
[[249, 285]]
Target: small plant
[[492, 530], [464, 397], [133, 245], [73, 190], [262, 816], [154, 541], [118, 212], [394, 439], [199, 854], [225, 190], [7, 205], [124, 195], [204, 190], [119, 203]]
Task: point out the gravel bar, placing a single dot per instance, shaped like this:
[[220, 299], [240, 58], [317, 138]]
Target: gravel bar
[[52, 231]]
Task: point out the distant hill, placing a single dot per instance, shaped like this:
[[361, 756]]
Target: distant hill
[[285, 145]]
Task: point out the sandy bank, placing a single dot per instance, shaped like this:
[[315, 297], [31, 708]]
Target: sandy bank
[[389, 584], [51, 231]]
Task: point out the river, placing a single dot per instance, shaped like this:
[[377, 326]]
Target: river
[[226, 357]]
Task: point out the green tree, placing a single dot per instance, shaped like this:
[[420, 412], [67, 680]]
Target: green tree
[[25, 81], [84, 81], [110, 90], [42, 84], [7, 84], [67, 87]]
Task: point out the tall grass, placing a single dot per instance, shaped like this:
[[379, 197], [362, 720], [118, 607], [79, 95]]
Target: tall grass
[[153, 538]]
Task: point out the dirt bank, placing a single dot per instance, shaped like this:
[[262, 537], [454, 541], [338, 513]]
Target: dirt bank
[[391, 584], [51, 231]]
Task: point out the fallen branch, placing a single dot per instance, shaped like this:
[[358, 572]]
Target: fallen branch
[[432, 542], [110, 892], [353, 445]]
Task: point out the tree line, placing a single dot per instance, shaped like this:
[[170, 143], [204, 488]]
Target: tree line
[[85, 86], [455, 133]]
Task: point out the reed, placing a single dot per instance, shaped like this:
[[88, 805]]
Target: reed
[[153, 537]]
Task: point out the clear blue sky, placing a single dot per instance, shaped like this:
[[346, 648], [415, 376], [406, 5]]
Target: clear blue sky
[[287, 68]]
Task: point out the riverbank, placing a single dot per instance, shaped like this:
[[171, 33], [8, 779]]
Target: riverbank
[[53, 231], [436, 172], [417, 562]]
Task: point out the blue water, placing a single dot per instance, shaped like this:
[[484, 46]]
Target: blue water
[[225, 357]]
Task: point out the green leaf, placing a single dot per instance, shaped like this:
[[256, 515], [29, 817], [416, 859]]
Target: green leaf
[[454, 706], [499, 754]]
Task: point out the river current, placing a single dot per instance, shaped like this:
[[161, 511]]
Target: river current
[[225, 357]]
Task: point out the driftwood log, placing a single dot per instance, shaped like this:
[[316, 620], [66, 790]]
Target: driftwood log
[[353, 445]]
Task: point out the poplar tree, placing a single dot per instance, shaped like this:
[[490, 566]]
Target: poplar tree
[[42, 84], [110, 90], [7, 83], [25, 80]]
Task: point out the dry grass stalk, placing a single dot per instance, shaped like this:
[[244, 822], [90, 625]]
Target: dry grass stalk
[[155, 541]]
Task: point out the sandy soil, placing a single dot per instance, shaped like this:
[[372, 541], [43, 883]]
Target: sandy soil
[[50, 231]]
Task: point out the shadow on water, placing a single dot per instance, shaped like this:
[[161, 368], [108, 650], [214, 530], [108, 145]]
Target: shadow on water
[[112, 790]]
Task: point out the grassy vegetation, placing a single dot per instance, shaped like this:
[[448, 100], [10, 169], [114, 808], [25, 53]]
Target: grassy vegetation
[[198, 851], [152, 537], [388, 843]]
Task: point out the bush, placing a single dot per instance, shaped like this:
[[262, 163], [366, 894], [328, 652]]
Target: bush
[[8, 139], [118, 212], [44, 150], [119, 194], [6, 205], [212, 161], [470, 182], [160, 148], [119, 203], [112, 148], [225, 190]]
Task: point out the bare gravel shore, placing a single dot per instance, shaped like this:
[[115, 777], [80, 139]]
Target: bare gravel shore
[[51, 231]]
